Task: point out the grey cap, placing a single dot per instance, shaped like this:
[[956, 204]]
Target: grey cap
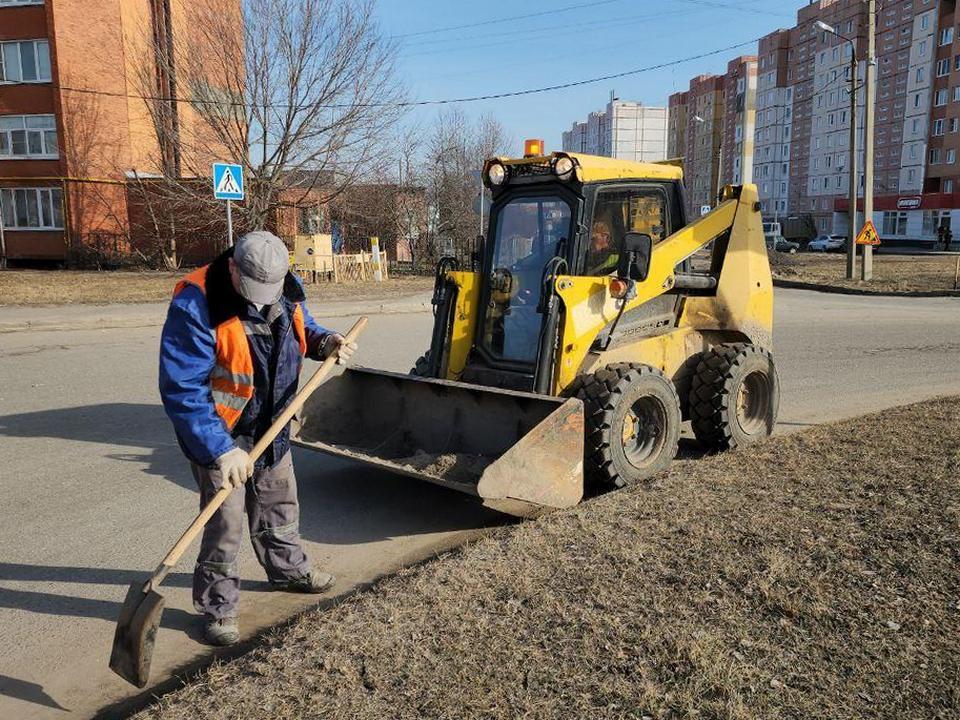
[[263, 262]]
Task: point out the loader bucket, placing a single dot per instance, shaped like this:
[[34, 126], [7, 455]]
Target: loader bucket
[[520, 453]]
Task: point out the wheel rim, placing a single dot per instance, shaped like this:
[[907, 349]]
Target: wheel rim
[[753, 403], [644, 431]]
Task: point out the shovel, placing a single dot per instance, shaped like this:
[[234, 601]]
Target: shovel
[[140, 614]]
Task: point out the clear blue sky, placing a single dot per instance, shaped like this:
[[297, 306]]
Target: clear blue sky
[[590, 39]]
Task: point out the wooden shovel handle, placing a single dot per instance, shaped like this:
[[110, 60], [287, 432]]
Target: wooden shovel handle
[[262, 444]]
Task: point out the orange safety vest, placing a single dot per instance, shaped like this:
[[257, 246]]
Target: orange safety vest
[[231, 381]]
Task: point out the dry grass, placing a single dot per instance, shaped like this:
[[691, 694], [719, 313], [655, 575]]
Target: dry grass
[[814, 576], [890, 272], [58, 287]]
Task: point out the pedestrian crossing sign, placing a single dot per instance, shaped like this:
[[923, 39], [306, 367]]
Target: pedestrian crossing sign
[[868, 234], [227, 181]]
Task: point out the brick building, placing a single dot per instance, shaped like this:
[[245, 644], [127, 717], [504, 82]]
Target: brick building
[[73, 129], [677, 125], [739, 120], [802, 133], [706, 107]]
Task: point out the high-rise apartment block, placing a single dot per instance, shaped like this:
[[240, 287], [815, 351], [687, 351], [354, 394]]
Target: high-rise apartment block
[[801, 127], [625, 130]]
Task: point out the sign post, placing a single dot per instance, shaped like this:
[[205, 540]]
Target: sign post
[[868, 234], [228, 185], [375, 261]]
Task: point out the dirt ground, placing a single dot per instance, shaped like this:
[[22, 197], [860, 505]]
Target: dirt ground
[[890, 272], [816, 575], [56, 287]]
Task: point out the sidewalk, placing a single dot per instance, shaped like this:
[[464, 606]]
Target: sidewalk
[[129, 315]]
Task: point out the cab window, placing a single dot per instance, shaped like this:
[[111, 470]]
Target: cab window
[[615, 213]]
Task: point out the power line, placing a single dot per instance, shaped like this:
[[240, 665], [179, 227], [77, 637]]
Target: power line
[[417, 103], [496, 21]]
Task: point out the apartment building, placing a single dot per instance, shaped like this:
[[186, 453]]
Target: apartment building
[[774, 123], [801, 152], [73, 125], [625, 130], [677, 125], [704, 133], [739, 121]]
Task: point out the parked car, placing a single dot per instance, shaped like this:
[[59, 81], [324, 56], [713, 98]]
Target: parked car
[[781, 244], [828, 243]]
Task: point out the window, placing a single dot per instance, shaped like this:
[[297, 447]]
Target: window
[[920, 74], [951, 156], [923, 45], [956, 94], [953, 125], [20, 2], [911, 175], [32, 208], [913, 152], [924, 22], [915, 125], [617, 212], [934, 156], [940, 98], [938, 127], [916, 100], [24, 136], [27, 61], [946, 35], [894, 223], [933, 219], [943, 67], [948, 186]]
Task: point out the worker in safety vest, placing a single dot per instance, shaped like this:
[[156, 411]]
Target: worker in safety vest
[[236, 333]]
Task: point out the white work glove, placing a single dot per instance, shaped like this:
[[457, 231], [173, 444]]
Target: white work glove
[[235, 467], [337, 344]]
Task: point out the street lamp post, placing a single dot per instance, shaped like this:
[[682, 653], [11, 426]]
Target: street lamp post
[[851, 246]]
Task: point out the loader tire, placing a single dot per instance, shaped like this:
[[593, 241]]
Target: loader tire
[[632, 424], [735, 396], [421, 368]]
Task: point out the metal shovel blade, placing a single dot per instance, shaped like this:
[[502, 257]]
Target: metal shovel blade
[[136, 632]]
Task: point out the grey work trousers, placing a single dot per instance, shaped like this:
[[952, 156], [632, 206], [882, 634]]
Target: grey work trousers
[[273, 516]]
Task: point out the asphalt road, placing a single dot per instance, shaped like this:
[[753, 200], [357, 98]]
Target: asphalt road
[[95, 490]]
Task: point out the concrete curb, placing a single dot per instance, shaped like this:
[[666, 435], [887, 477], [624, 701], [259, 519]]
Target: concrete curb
[[836, 290], [153, 319]]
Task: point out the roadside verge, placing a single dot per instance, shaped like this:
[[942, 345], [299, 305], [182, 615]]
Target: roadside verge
[[815, 575], [104, 317], [841, 290]]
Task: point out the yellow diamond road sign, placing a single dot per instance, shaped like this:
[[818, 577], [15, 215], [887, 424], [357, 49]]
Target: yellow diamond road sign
[[868, 234]]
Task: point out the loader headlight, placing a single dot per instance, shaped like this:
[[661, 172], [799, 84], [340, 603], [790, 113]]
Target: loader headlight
[[497, 174], [563, 168]]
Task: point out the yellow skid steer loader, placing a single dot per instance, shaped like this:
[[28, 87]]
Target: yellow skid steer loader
[[595, 318]]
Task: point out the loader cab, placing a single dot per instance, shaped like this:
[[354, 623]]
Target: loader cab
[[548, 219]]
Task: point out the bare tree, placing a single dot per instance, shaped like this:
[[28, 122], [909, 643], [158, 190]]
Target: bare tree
[[299, 92], [455, 153]]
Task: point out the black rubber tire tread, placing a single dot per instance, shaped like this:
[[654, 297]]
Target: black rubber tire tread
[[421, 368], [601, 393], [713, 394], [683, 381]]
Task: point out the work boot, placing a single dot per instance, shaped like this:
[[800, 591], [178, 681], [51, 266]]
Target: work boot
[[314, 582], [221, 631]]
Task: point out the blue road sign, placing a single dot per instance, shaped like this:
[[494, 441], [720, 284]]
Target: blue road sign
[[227, 181]]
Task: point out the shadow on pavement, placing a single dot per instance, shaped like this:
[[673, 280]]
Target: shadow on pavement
[[28, 692], [138, 425]]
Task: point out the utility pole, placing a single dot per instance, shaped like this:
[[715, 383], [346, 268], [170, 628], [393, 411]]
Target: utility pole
[[866, 266]]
